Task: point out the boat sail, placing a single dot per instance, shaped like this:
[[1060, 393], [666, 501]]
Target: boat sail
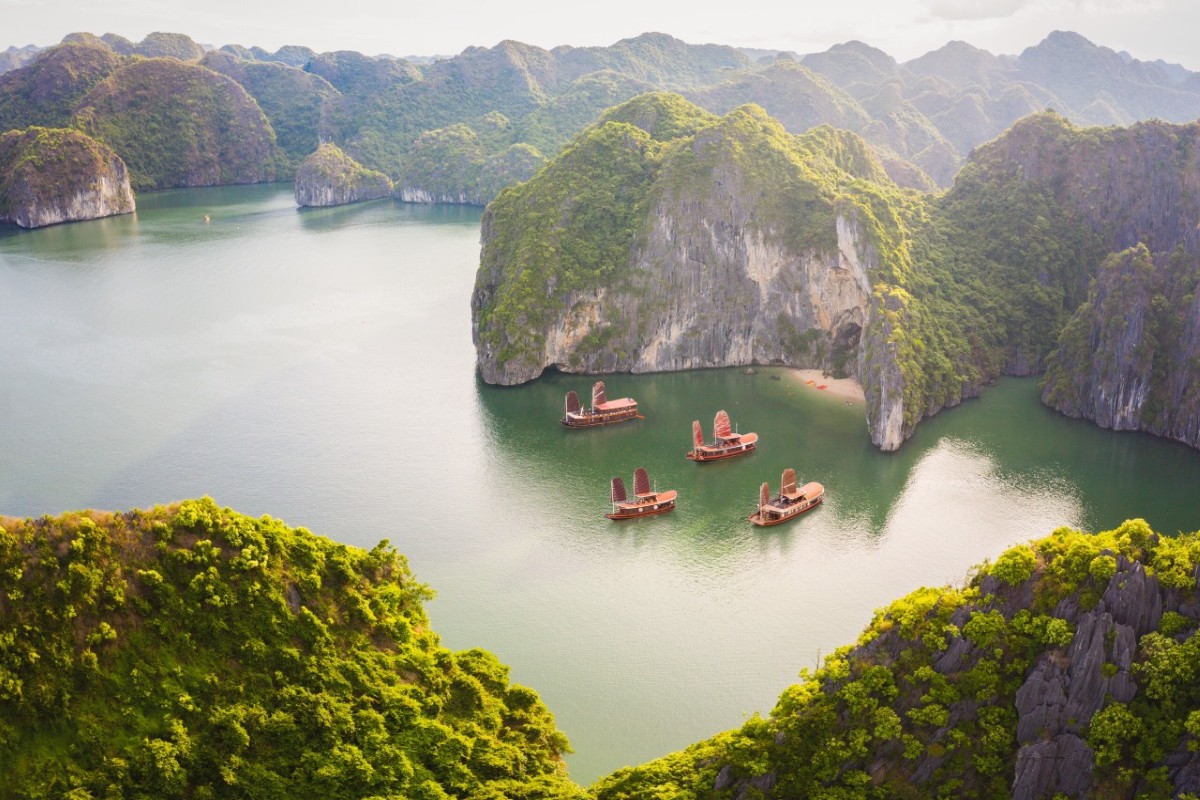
[[726, 443]]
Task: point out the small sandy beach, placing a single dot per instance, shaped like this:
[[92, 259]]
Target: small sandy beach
[[845, 389]]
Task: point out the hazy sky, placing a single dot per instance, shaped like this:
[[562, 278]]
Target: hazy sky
[[1148, 29]]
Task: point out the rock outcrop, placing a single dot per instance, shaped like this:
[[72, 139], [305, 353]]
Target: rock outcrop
[[52, 175], [1136, 192], [329, 177], [1143, 374], [669, 239]]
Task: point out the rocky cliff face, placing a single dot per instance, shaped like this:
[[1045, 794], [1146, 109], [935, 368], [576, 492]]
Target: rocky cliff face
[[668, 239], [1129, 359], [722, 270], [329, 177], [1127, 356], [50, 175], [710, 289], [727, 242]]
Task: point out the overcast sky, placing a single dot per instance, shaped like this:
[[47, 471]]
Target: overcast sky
[[1148, 29]]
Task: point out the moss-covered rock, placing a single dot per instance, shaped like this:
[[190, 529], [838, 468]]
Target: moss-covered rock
[[192, 651], [329, 177], [52, 175]]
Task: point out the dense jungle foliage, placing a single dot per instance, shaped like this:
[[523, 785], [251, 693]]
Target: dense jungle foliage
[[191, 651]]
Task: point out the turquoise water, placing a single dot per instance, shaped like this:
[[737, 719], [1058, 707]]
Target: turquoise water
[[317, 366]]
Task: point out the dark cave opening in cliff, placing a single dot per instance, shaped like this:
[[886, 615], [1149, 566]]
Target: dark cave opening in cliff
[[845, 348]]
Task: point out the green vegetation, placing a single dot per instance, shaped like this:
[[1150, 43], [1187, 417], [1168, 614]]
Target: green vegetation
[[45, 92], [602, 177], [190, 651], [290, 98], [453, 164], [178, 124]]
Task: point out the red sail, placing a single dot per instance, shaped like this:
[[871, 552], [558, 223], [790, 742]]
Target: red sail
[[641, 481], [572, 402], [618, 490], [697, 433], [598, 394], [721, 428], [788, 484], [764, 494]]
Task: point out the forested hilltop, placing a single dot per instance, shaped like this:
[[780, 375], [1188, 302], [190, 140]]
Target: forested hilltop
[[191, 651], [728, 241], [459, 129]]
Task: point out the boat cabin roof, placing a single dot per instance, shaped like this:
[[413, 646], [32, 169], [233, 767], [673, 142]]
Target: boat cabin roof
[[616, 405], [651, 497]]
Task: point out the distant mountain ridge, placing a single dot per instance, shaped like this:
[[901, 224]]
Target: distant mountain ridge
[[498, 114]]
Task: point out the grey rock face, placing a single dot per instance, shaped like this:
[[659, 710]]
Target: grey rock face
[[311, 193], [1041, 700], [415, 194], [103, 196], [1061, 764], [708, 289], [1064, 691]]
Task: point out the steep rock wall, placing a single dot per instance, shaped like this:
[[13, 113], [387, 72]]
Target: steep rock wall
[[708, 289], [1129, 359], [415, 194]]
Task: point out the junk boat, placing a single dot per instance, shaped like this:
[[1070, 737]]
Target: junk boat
[[603, 411], [726, 443], [646, 502], [789, 503]]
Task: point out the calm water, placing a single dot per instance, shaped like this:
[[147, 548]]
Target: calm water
[[317, 366]]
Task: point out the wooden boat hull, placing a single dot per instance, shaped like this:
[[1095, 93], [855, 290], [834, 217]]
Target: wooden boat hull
[[646, 511], [768, 521], [596, 420], [700, 456]]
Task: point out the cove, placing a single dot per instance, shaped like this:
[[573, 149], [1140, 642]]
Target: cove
[[317, 366]]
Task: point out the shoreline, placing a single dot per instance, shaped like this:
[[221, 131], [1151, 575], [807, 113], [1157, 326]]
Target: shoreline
[[847, 390]]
